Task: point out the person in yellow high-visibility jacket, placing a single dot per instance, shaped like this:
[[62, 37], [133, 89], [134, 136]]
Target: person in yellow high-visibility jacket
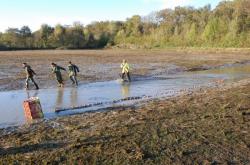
[[125, 70]]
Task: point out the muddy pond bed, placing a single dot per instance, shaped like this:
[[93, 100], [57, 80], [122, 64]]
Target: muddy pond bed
[[184, 106], [209, 126], [99, 95]]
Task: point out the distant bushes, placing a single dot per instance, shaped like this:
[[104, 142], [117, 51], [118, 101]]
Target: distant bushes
[[228, 25]]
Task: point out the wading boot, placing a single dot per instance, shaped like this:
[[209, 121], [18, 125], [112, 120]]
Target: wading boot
[[36, 87]]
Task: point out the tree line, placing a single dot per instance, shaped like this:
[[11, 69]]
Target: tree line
[[227, 25]]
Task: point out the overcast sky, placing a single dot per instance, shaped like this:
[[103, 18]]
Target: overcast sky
[[33, 13]]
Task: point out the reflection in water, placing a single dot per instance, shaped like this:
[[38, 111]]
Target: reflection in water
[[229, 70], [73, 97], [232, 73], [31, 94], [108, 91], [59, 98], [125, 87]]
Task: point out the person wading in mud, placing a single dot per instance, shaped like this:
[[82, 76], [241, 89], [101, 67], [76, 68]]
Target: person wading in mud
[[125, 70], [73, 69], [29, 76], [57, 71]]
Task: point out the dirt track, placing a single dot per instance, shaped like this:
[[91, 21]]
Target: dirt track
[[99, 65]]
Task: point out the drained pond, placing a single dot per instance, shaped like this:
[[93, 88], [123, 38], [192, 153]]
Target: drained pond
[[95, 96]]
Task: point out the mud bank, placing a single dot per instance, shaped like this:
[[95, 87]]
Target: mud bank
[[202, 126], [104, 65], [210, 126], [100, 95]]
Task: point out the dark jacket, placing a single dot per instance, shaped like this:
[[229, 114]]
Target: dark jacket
[[29, 72], [73, 69]]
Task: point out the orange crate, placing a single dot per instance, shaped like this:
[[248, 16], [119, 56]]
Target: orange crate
[[32, 108]]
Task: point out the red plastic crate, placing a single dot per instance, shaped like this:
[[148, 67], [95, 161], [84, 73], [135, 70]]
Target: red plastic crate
[[32, 108]]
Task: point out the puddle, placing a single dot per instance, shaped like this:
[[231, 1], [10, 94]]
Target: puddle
[[103, 94], [230, 73]]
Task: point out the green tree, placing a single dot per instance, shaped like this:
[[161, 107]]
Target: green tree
[[11, 38], [134, 26], [25, 37], [59, 35], [46, 32], [215, 29], [191, 35], [75, 36], [228, 25]]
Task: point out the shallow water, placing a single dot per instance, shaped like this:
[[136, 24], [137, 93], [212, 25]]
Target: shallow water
[[107, 92]]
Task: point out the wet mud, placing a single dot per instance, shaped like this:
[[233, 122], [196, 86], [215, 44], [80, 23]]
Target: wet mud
[[104, 65], [167, 115], [210, 126], [99, 95]]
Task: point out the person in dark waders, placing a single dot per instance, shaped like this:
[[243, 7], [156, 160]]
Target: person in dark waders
[[57, 71], [73, 70], [125, 70], [29, 76]]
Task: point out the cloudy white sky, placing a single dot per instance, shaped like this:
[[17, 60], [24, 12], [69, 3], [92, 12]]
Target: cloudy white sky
[[33, 13]]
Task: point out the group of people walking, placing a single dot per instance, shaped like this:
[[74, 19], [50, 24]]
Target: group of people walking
[[72, 72], [56, 69]]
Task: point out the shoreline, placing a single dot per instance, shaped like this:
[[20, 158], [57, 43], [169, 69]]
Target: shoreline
[[88, 130], [102, 106], [102, 65], [218, 87], [205, 126]]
